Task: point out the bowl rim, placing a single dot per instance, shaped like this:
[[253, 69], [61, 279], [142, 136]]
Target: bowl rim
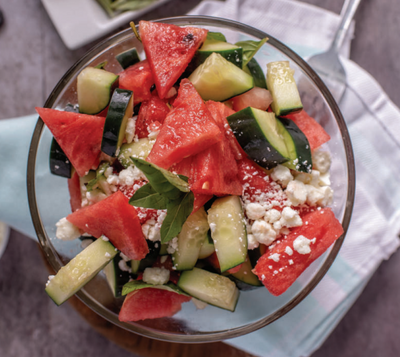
[[54, 259]]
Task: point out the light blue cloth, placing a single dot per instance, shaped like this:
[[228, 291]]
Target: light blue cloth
[[372, 236]]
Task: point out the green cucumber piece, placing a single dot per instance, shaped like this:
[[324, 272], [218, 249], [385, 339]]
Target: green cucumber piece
[[255, 70], [281, 84], [244, 278], [164, 249], [261, 135], [207, 248], [80, 270], [135, 264], [228, 231], [211, 288], [231, 53], [139, 149], [190, 240], [128, 58], [94, 89], [116, 278], [298, 147], [218, 79], [58, 161], [119, 111]]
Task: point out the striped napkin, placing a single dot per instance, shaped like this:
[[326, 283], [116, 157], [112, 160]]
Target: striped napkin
[[374, 130]]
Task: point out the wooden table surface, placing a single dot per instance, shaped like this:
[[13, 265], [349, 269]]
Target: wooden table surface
[[32, 59]]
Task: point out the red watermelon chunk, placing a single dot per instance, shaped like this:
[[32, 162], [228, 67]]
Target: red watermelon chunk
[[139, 79], [259, 98], [116, 219], [279, 274], [315, 133], [151, 303], [169, 49], [74, 189], [151, 111], [79, 136], [188, 129]]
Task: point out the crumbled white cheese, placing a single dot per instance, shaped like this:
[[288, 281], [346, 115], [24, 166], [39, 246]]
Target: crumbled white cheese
[[123, 266], [288, 250], [252, 243], [51, 277], [254, 210], [263, 232], [272, 215], [282, 175], [296, 192], [314, 195], [290, 218], [213, 226], [274, 257], [156, 276], [327, 196], [95, 196], [130, 175], [130, 129], [172, 245], [321, 161], [66, 230], [302, 245]]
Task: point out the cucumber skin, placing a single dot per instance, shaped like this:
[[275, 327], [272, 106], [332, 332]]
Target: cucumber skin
[[114, 120], [302, 146], [251, 138], [58, 161], [128, 58], [254, 69]]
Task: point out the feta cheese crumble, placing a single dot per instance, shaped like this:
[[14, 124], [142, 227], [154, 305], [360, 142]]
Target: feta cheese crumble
[[302, 245], [156, 276], [282, 175], [66, 230]]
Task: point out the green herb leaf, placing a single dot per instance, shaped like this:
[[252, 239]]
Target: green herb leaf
[[215, 36], [162, 181], [250, 48], [148, 197], [137, 285], [101, 65], [177, 213]]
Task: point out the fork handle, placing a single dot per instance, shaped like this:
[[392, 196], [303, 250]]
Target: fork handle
[[348, 14]]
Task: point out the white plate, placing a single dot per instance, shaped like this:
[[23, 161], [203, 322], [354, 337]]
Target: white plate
[[81, 21]]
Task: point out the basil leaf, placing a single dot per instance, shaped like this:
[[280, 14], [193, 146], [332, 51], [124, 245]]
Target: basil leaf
[[147, 197], [177, 213], [163, 181], [250, 48], [215, 36], [137, 285]]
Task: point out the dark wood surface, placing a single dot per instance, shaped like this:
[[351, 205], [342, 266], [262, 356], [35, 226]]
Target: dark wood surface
[[32, 59]]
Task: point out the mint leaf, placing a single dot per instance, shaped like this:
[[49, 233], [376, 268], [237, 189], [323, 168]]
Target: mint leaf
[[162, 181], [215, 36], [177, 213], [147, 197], [250, 48], [137, 285]]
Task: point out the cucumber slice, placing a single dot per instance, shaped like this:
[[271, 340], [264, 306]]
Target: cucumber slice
[[218, 79], [164, 249], [299, 150], [281, 84], [261, 135], [139, 149], [211, 288], [244, 278], [135, 264], [119, 111], [231, 53], [128, 58], [190, 240], [254, 69], [207, 248], [116, 278], [80, 270], [58, 161], [94, 89], [228, 231]]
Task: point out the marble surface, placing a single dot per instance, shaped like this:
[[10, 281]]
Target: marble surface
[[32, 59]]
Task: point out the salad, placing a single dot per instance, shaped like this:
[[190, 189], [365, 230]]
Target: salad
[[188, 178]]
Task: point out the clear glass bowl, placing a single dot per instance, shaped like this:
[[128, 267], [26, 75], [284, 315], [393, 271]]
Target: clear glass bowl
[[49, 199]]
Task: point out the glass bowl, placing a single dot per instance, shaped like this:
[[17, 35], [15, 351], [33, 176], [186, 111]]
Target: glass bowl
[[49, 199]]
